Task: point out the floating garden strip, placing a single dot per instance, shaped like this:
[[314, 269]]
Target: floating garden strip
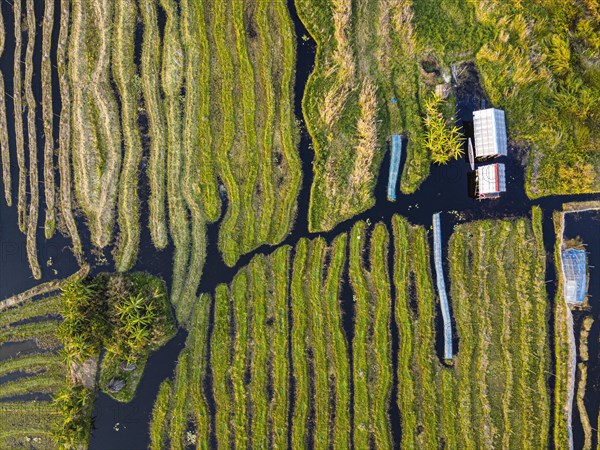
[[178, 420], [318, 343], [150, 77], [291, 167], [64, 136], [299, 336], [34, 197], [124, 73], [207, 166], [360, 340], [29, 331], [256, 299], [172, 82], [109, 129], [406, 383], [34, 363], [39, 384], [459, 263], [4, 148], [22, 421], [48, 118], [261, 48], [278, 335], [240, 363], [42, 307], [191, 155], [18, 108], [339, 365], [197, 340], [245, 128], [160, 416], [42, 289], [380, 349], [221, 344], [424, 339], [224, 127]]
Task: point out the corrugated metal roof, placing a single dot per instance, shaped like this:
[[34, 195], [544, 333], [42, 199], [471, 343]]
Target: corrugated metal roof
[[491, 179], [490, 132]]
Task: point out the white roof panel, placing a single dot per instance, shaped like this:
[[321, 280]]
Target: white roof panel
[[490, 132], [491, 179]]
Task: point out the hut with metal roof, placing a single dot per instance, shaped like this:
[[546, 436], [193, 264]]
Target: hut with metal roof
[[491, 180], [489, 127], [574, 268]]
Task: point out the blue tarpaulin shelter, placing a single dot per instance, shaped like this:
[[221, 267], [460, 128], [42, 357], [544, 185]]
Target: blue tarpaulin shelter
[[394, 166], [574, 266]]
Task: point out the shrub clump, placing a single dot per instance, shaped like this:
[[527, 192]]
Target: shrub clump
[[443, 139]]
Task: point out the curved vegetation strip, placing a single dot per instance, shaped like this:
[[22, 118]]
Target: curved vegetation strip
[[48, 119], [4, 148], [125, 75]]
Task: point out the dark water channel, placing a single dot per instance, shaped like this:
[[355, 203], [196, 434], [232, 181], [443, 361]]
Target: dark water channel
[[445, 190]]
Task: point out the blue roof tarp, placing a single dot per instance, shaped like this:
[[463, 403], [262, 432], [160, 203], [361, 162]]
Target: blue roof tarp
[[394, 166], [574, 265]]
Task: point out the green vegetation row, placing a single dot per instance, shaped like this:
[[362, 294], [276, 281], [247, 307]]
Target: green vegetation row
[[124, 73], [371, 344], [4, 148], [48, 119]]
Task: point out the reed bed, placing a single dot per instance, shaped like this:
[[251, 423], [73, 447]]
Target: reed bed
[[64, 136], [34, 197], [18, 111], [151, 84], [125, 75], [4, 148], [48, 119]]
